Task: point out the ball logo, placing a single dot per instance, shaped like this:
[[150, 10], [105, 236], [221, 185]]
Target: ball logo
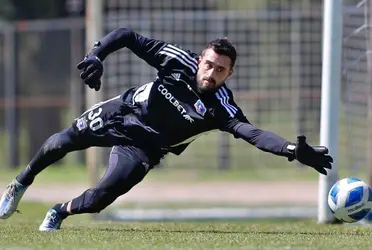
[[355, 208]]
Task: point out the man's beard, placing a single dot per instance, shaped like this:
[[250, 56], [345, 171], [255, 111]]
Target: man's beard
[[202, 89]]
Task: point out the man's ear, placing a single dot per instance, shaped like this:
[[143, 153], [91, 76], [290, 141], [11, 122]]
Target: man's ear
[[199, 59], [230, 73]]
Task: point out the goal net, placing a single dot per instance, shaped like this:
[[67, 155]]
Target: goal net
[[356, 85]]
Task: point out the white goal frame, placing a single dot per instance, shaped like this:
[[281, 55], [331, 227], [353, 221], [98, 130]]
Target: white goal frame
[[330, 100]]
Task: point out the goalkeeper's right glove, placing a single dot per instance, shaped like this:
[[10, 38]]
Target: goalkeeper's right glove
[[314, 156], [91, 70]]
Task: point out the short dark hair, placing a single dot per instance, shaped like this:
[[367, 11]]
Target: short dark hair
[[224, 47]]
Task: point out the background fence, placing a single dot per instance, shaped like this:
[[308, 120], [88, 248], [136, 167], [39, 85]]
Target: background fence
[[277, 78], [40, 93]]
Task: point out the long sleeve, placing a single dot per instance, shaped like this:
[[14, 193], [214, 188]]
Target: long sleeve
[[156, 53], [115, 40], [264, 140], [232, 120]]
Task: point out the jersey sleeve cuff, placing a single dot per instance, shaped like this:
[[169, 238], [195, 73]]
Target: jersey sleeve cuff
[[289, 150]]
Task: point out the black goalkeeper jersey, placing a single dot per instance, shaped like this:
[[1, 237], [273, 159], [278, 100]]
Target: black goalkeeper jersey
[[171, 104]]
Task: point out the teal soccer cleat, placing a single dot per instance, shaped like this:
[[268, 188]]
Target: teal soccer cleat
[[52, 221]]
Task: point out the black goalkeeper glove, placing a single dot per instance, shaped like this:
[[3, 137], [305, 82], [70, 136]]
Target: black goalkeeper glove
[[314, 156], [91, 71]]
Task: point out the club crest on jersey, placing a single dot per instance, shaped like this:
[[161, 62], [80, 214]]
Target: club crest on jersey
[[200, 108], [81, 124]]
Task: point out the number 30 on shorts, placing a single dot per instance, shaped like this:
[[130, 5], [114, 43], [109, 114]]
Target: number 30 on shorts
[[96, 122]]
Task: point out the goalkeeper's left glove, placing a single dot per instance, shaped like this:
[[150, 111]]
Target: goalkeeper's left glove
[[314, 156]]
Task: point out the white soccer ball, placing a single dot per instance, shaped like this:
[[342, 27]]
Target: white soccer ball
[[350, 199]]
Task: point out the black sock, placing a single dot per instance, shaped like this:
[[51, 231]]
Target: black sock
[[26, 177], [61, 209]]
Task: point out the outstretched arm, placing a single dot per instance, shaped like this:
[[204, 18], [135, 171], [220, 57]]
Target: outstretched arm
[[313, 156], [146, 48], [264, 140], [232, 120], [114, 41], [156, 53]]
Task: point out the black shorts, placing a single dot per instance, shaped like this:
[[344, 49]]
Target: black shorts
[[114, 122]]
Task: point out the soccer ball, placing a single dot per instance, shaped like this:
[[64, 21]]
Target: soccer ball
[[350, 199]]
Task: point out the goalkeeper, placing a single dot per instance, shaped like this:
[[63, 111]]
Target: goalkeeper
[[188, 97]]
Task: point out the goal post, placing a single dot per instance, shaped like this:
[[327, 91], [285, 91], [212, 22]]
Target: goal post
[[94, 31], [330, 99]]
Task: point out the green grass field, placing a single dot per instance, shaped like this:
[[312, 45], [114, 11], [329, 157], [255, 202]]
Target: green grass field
[[81, 232], [72, 174]]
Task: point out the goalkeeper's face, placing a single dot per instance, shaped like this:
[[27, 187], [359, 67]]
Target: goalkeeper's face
[[213, 70]]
